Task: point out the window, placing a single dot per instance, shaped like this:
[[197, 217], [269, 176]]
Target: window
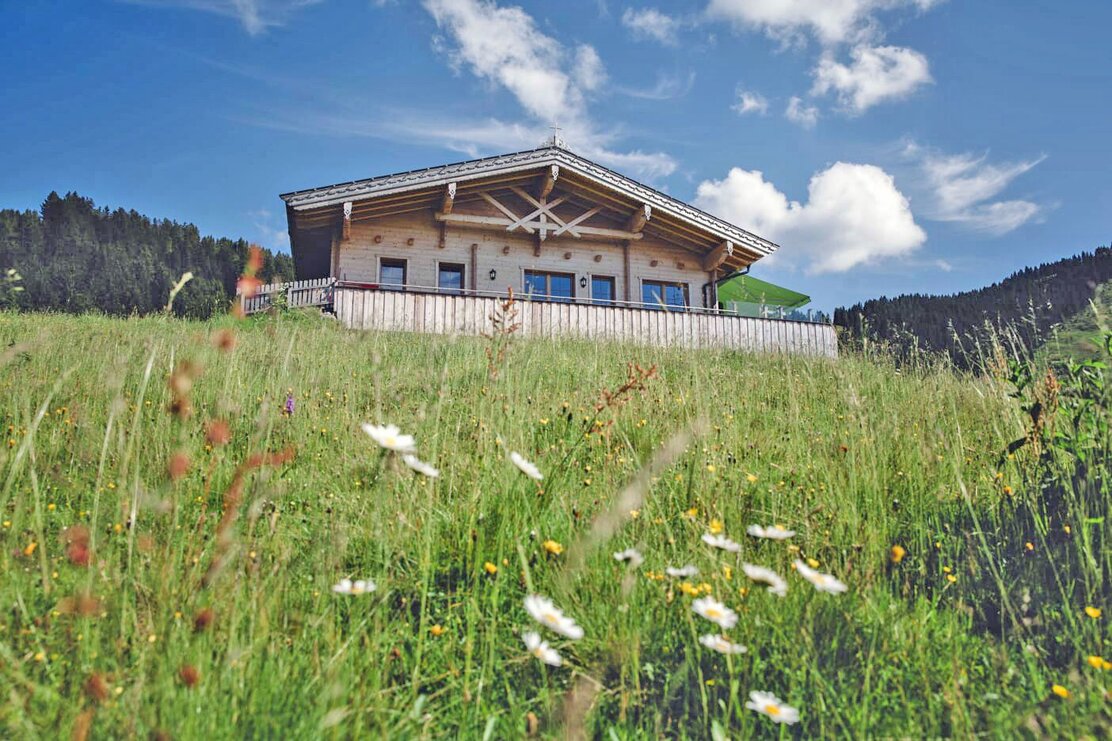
[[552, 286], [602, 289], [449, 278], [659, 294], [391, 273]]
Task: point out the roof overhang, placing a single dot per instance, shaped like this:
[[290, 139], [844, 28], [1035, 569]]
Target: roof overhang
[[303, 204]]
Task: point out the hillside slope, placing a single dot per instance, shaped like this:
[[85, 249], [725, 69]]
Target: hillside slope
[[1029, 302], [74, 257], [1081, 336], [179, 508]]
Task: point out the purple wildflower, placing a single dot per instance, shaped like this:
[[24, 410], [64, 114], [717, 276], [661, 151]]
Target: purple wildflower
[[290, 404]]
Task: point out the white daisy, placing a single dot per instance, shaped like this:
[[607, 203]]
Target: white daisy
[[715, 611], [772, 532], [822, 582], [684, 572], [390, 437], [722, 645], [721, 541], [547, 614], [420, 466], [541, 649], [775, 582], [631, 556], [525, 466], [354, 588], [772, 706]]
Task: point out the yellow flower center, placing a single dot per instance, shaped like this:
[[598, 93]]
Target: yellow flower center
[[713, 614], [772, 709], [551, 618]]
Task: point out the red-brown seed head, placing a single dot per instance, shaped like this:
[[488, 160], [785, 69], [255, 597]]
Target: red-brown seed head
[[177, 466], [96, 688], [217, 432], [189, 675]]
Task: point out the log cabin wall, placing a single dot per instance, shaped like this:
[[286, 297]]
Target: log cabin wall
[[509, 254]]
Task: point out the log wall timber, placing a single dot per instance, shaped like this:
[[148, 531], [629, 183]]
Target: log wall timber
[[359, 308], [509, 254]]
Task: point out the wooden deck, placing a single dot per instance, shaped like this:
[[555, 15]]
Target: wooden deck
[[316, 292], [369, 308]]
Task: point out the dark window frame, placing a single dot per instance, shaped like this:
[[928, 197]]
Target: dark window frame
[[664, 285], [548, 276], [609, 280], [454, 267], [393, 262]]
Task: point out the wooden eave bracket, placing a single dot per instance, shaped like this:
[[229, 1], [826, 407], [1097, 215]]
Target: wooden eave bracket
[[718, 255], [345, 231], [449, 199], [639, 218], [548, 182]]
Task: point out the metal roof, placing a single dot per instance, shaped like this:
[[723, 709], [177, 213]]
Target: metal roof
[[332, 195]]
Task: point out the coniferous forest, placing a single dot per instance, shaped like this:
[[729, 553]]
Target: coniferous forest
[[75, 257], [1029, 302]]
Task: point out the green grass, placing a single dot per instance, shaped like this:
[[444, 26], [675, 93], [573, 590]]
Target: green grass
[[853, 454], [1080, 336]]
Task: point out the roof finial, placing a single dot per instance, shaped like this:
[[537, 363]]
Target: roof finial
[[556, 141]]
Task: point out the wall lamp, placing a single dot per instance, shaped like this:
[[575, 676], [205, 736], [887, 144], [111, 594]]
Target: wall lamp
[[582, 282], [493, 274]]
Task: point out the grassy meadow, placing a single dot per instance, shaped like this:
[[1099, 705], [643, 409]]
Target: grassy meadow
[[172, 532]]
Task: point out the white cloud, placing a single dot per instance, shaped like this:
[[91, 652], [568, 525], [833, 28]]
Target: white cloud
[[829, 21], [800, 113], [649, 23], [854, 215], [750, 102], [256, 16], [876, 74], [667, 86], [962, 188], [504, 46]]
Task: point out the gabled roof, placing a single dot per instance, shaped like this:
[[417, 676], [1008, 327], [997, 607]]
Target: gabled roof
[[532, 159]]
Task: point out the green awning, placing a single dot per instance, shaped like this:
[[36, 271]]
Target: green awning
[[747, 289]]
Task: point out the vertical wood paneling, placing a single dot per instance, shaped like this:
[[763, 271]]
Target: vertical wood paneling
[[411, 312]]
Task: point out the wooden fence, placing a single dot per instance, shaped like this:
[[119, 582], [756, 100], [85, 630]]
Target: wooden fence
[[361, 308], [316, 292]]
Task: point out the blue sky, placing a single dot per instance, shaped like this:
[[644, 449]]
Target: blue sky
[[889, 146]]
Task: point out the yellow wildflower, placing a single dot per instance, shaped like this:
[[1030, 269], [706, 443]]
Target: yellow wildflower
[[1098, 663], [897, 553], [553, 547], [751, 478], [30, 548], [716, 527], [1093, 612], [490, 568], [437, 630], [813, 563], [1060, 691], [693, 512]]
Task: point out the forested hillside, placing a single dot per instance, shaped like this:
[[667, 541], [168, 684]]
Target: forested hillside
[[75, 257], [1031, 301]]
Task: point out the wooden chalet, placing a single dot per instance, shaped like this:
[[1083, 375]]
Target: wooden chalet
[[588, 251]]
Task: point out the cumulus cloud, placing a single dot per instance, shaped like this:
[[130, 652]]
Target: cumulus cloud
[[651, 24], [963, 188], [854, 215], [875, 75], [504, 46], [256, 16], [828, 21], [750, 102], [802, 114]]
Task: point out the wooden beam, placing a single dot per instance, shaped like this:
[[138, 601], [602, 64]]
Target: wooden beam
[[491, 200], [718, 255], [568, 227], [345, 231], [533, 201], [541, 210], [449, 199], [487, 221], [637, 221], [625, 269], [548, 182]]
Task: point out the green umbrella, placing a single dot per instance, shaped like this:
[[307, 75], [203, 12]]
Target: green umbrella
[[747, 289]]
